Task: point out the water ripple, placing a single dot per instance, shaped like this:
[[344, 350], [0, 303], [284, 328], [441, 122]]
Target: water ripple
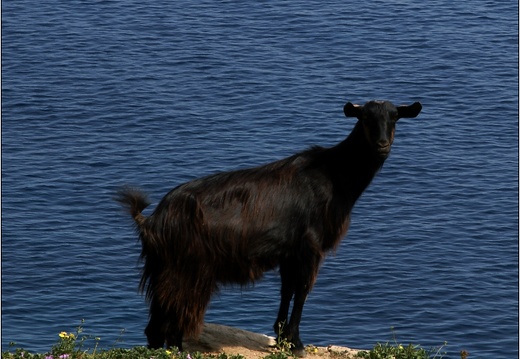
[[99, 94]]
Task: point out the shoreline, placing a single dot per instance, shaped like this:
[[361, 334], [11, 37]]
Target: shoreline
[[216, 338]]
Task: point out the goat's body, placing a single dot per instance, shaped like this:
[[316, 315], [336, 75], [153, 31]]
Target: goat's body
[[232, 227]]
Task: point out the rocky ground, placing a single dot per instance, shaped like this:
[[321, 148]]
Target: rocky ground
[[222, 339]]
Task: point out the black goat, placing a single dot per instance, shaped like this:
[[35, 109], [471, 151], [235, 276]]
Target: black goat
[[231, 227]]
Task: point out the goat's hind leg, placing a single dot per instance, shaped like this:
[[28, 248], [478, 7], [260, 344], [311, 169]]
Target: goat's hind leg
[[174, 338], [155, 330], [163, 327]]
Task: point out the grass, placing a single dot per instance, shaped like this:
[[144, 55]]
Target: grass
[[74, 346], [398, 351], [283, 346]]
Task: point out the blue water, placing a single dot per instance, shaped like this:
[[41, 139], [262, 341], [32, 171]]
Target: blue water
[[96, 94]]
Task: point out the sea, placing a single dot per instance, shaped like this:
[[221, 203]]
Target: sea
[[99, 94]]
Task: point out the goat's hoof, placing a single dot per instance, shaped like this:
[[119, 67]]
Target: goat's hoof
[[300, 353]]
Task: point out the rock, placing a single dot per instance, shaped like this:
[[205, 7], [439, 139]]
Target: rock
[[217, 338]]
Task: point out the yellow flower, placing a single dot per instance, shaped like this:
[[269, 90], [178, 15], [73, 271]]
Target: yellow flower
[[65, 335], [168, 352]]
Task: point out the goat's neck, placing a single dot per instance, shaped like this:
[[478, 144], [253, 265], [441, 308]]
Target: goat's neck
[[353, 165]]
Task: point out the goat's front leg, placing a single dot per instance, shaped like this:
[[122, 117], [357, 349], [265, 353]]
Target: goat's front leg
[[292, 329], [302, 276], [287, 293]]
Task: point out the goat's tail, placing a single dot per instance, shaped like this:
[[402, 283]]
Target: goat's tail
[[135, 202]]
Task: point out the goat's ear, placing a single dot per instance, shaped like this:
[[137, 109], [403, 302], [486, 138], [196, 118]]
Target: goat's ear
[[409, 111], [351, 110]]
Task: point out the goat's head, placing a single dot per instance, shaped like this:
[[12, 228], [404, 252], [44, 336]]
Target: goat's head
[[378, 119]]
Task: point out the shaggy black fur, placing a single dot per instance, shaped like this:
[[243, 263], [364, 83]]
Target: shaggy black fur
[[231, 227]]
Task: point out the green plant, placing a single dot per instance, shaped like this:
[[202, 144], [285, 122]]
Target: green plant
[[282, 345], [312, 349], [71, 346], [399, 351]]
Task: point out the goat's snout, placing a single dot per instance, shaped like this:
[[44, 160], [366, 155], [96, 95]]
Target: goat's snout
[[383, 144], [383, 140], [382, 148]]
